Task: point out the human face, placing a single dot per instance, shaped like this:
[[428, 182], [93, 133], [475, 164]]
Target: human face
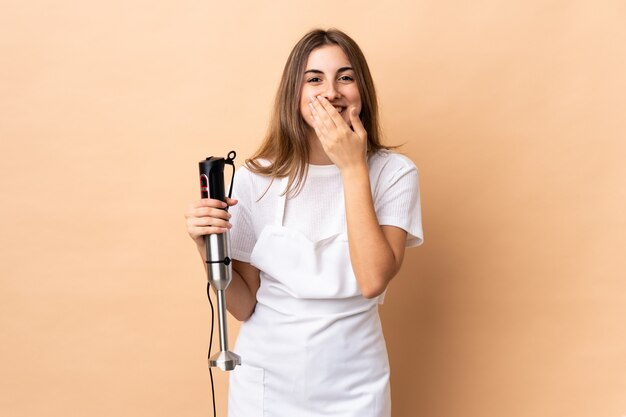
[[328, 73]]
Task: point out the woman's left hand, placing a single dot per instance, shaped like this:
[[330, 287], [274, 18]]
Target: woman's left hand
[[345, 148]]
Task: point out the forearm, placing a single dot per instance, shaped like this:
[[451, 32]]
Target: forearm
[[372, 258], [240, 301]]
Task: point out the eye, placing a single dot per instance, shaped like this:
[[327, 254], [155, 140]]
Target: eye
[[314, 80], [346, 78]]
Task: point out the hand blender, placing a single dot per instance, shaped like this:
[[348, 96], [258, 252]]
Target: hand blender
[[219, 268]]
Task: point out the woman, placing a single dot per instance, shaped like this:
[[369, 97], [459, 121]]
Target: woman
[[320, 220]]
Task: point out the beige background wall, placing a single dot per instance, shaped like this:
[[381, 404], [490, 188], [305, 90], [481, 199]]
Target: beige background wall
[[514, 112]]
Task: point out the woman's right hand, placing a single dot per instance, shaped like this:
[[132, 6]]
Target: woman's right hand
[[207, 216]]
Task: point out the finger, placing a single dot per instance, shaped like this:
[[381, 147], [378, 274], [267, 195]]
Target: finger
[[231, 202], [201, 231], [318, 125], [357, 125], [323, 114], [209, 202], [197, 210], [210, 212], [332, 112], [208, 221]]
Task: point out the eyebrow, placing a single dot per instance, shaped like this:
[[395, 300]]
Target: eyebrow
[[316, 71]]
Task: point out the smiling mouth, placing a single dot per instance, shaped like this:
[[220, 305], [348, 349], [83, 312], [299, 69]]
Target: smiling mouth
[[339, 109]]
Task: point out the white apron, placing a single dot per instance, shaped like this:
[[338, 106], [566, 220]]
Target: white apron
[[314, 345]]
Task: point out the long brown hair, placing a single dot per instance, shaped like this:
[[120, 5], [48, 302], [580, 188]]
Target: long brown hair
[[286, 146]]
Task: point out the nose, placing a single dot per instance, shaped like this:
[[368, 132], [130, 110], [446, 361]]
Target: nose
[[331, 93]]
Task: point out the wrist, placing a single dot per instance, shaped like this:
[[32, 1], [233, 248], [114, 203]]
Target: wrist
[[356, 171]]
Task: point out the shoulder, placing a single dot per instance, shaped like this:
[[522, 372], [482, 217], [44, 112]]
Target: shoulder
[[389, 163], [252, 184], [247, 173]]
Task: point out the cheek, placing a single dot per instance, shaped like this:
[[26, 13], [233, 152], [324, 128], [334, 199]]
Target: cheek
[[355, 99], [305, 111], [305, 99], [359, 106]]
